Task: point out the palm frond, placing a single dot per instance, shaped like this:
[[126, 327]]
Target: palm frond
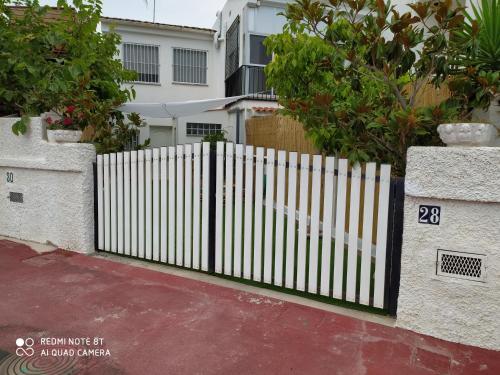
[[481, 33]]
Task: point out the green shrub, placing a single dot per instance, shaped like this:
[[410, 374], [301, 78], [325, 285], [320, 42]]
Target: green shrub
[[52, 63], [343, 68], [214, 138]]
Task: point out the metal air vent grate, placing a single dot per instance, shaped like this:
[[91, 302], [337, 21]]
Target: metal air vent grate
[[461, 265], [16, 197]]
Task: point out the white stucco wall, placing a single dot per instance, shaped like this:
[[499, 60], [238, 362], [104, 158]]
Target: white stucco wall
[[210, 117], [226, 16], [56, 181], [256, 17], [166, 90], [465, 182]]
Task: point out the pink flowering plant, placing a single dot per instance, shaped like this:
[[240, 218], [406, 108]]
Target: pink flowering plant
[[70, 119]]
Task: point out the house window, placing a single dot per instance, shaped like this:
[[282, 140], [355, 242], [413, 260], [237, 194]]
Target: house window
[[258, 52], [190, 66], [134, 140], [201, 129], [144, 59]]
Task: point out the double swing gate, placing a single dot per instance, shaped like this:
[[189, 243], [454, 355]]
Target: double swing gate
[[306, 223]]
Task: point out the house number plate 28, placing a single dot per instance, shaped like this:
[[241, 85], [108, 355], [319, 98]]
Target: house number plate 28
[[429, 215]]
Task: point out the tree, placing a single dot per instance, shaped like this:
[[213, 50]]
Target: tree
[[351, 72], [54, 58]]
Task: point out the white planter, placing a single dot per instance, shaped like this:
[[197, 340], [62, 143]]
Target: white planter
[[469, 134], [64, 136]]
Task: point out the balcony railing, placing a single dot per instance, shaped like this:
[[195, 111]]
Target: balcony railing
[[250, 80]]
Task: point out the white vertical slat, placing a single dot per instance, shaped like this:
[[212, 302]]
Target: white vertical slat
[[156, 204], [366, 252], [383, 212], [107, 205], [133, 204], [163, 204], [291, 218], [303, 208], [171, 205], [196, 204], [238, 210], [114, 229], [219, 200], [247, 240], [180, 206], [352, 258], [328, 206], [314, 231], [205, 217], [188, 196], [126, 202], [148, 213], [269, 218], [280, 218], [338, 269], [228, 232], [119, 203], [140, 202], [259, 191], [100, 201]]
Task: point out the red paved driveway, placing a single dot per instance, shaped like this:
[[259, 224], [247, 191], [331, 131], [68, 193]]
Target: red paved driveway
[[155, 323]]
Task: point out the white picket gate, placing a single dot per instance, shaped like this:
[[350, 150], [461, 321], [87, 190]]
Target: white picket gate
[[306, 223], [146, 205]]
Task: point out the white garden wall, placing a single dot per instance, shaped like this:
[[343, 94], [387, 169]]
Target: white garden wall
[[56, 181], [465, 183]]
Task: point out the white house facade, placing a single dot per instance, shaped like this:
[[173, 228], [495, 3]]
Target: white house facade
[[181, 63], [241, 27], [174, 63]]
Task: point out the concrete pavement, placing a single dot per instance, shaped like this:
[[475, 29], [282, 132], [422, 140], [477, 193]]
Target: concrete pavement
[[131, 320]]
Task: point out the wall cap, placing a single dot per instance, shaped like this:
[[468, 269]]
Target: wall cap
[[467, 174]]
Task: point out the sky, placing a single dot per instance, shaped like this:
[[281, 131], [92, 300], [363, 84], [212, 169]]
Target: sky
[[200, 13]]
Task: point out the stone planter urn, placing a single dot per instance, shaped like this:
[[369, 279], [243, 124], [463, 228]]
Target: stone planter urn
[[64, 136], [60, 135], [469, 134]]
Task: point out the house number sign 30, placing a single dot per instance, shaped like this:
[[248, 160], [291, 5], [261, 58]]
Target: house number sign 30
[[429, 215], [10, 177]]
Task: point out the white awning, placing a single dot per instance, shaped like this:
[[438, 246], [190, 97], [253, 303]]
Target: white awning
[[177, 109]]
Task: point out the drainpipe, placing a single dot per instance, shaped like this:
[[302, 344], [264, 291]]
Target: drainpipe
[[237, 127], [219, 16], [175, 122]]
